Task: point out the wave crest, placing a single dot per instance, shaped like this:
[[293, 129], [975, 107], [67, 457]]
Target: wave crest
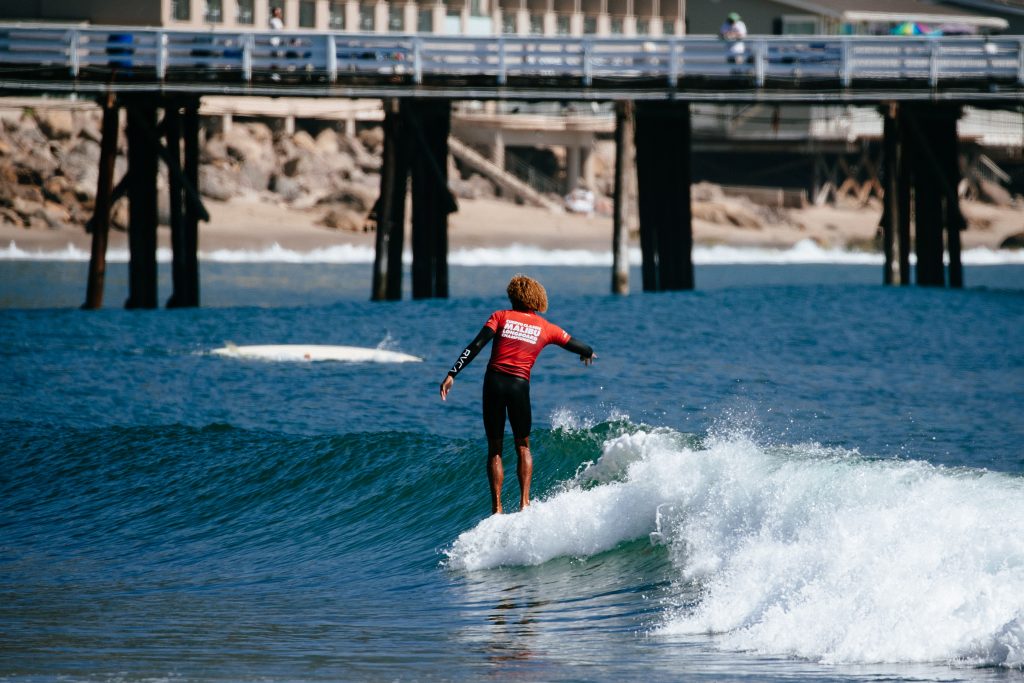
[[802, 551]]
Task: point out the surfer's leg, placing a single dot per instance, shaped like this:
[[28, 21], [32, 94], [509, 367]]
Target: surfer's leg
[[524, 469], [494, 426], [495, 473], [520, 417]]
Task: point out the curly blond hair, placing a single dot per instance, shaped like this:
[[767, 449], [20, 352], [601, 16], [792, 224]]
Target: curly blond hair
[[526, 294]]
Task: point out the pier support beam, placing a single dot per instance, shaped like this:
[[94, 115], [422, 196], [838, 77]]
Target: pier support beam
[[172, 128], [896, 206], [932, 143], [142, 204], [624, 199], [430, 124], [390, 209], [194, 210], [104, 200], [663, 178]]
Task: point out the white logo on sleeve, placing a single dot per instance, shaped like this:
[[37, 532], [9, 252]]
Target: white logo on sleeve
[[521, 331]]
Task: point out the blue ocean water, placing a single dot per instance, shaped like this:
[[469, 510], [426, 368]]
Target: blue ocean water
[[790, 473]]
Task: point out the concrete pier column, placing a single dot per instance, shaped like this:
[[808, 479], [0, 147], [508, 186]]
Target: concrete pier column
[[587, 163], [432, 201], [498, 149], [572, 167], [101, 213], [390, 207], [663, 180], [142, 203]]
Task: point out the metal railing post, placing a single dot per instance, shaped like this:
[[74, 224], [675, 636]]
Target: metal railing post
[[1020, 62], [248, 44], [332, 59], [588, 68], [846, 63], [502, 72], [759, 62], [161, 55], [933, 63], [417, 60], [73, 56], [673, 62]]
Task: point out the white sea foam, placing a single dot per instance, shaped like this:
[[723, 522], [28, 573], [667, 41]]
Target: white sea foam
[[803, 551], [805, 252]]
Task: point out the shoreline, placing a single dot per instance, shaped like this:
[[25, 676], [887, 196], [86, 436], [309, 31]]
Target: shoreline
[[254, 224]]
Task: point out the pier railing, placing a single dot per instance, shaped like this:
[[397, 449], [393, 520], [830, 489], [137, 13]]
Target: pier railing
[[127, 55]]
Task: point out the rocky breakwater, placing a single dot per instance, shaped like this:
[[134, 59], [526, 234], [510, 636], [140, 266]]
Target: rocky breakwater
[[49, 165]]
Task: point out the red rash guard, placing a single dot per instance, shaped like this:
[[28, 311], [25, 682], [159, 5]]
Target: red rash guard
[[519, 338]]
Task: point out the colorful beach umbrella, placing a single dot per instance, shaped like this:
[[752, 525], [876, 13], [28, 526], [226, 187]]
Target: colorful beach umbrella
[[910, 28]]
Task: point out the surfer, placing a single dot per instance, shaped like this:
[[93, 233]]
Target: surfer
[[519, 335]]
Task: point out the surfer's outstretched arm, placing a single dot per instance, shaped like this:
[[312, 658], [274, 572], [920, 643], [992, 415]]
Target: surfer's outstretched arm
[[480, 341], [584, 351]]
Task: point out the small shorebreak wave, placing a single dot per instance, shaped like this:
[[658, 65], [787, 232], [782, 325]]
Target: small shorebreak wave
[[804, 252], [805, 551]]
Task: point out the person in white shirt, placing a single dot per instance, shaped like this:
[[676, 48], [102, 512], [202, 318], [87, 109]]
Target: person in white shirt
[[276, 19], [734, 30]]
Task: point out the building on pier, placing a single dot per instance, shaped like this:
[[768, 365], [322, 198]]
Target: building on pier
[[539, 17]]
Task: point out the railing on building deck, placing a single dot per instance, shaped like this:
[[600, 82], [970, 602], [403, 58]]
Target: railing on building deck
[[142, 54]]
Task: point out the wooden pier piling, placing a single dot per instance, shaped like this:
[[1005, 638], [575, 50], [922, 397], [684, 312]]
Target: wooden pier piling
[[625, 183], [663, 178], [430, 124], [394, 177], [932, 144], [194, 210], [896, 209], [142, 203], [104, 199]]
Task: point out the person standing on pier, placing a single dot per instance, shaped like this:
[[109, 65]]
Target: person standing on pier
[[734, 30], [519, 336]]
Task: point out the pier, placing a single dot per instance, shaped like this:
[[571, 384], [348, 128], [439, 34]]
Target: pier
[[157, 76]]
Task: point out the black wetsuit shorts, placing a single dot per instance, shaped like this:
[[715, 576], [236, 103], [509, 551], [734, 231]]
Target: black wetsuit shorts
[[506, 395]]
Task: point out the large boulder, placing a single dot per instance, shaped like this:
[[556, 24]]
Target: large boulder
[[287, 188], [56, 124], [1013, 242], [341, 218], [994, 193], [357, 197], [217, 183]]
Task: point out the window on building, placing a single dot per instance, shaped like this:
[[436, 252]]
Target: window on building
[[589, 25], [214, 12], [425, 20], [508, 21], [536, 24], [366, 17], [453, 22], [307, 13], [336, 16], [616, 26], [396, 17], [562, 24], [643, 27], [477, 8], [799, 25], [246, 12], [181, 10]]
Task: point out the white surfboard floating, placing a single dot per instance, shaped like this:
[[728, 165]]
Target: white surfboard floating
[[315, 352]]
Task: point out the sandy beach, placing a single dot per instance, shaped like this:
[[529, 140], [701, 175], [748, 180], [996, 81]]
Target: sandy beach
[[256, 223]]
